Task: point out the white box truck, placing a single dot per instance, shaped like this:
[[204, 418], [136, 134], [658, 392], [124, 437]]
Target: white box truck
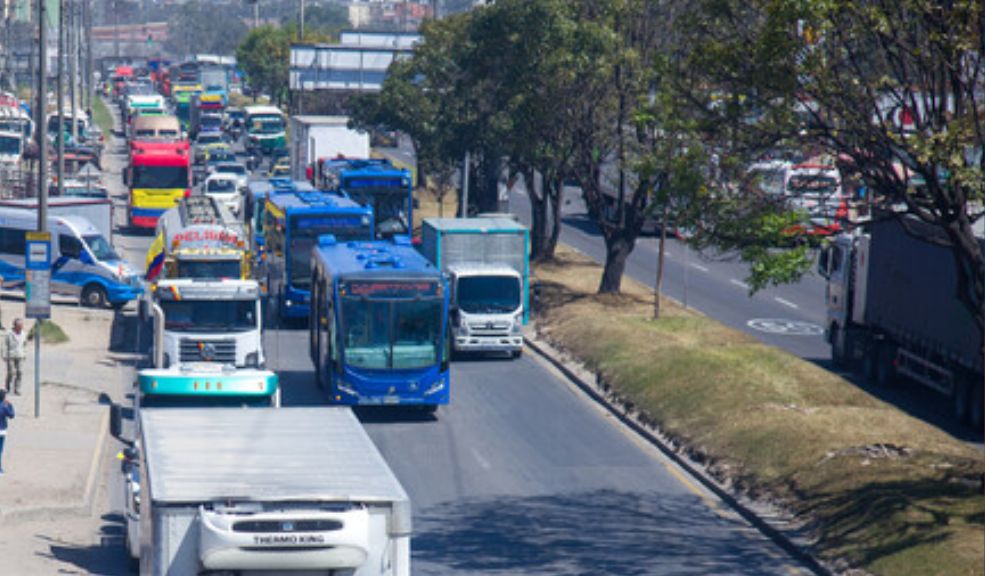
[[487, 261], [266, 491], [316, 137]]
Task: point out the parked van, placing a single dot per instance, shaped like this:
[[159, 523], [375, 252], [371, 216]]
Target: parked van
[[83, 262]]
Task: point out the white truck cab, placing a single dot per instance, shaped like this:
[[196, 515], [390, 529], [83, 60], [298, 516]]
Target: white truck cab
[[487, 313]]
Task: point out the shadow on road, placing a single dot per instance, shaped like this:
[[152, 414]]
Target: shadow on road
[[601, 532], [107, 558]]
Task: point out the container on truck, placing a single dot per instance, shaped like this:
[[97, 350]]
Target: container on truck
[[893, 310], [318, 137], [299, 491], [488, 266]]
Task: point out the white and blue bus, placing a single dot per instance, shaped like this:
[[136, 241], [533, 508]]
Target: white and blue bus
[[292, 224], [379, 327], [83, 262]]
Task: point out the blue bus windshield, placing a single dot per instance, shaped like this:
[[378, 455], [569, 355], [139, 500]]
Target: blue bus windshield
[[389, 199], [391, 334]]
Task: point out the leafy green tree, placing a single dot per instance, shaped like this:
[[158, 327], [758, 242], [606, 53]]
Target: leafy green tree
[[891, 88], [263, 55], [325, 20]]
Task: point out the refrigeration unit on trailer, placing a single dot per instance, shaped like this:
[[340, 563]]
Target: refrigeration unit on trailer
[[267, 491]]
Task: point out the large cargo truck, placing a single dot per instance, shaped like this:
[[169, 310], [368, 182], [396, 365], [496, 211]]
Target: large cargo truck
[[488, 265], [264, 491], [893, 311], [317, 137]]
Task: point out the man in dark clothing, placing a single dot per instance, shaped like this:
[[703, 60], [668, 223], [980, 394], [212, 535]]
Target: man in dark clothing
[[6, 413]]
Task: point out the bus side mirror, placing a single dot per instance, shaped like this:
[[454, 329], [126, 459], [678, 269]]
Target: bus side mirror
[[142, 310], [126, 177], [822, 262]]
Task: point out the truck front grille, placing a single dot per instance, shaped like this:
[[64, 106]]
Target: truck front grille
[[286, 526], [489, 328], [222, 351]]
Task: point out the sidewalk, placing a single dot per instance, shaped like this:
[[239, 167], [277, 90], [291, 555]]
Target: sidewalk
[[52, 462]]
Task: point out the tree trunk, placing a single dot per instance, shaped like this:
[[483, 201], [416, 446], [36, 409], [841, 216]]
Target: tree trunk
[[658, 285], [617, 249], [555, 193], [538, 215]]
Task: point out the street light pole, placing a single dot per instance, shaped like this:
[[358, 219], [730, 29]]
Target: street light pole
[[42, 128], [72, 69]]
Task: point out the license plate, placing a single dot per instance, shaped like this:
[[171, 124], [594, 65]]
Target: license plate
[[391, 399]]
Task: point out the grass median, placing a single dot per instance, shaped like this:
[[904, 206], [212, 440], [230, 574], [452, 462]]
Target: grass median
[[879, 490], [102, 116]]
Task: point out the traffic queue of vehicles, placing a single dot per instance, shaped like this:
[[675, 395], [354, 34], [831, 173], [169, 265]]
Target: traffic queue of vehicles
[[235, 256]]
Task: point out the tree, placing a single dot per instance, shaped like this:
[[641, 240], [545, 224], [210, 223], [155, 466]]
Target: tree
[[264, 55], [325, 20], [893, 89], [193, 29]]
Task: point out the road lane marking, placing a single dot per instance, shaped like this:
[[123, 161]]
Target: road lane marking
[[786, 303], [699, 267], [482, 461], [785, 327], [739, 283]]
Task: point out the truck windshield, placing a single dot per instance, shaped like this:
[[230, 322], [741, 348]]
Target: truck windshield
[[211, 122], [815, 185], [10, 145], [305, 231], [488, 294], [161, 177], [391, 334], [208, 269], [100, 248], [209, 315]]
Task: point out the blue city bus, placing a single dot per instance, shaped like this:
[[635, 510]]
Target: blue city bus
[[377, 183], [292, 223], [254, 203], [379, 329]]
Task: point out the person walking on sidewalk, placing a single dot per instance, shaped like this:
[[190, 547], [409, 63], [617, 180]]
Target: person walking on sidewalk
[[14, 352], [6, 413]]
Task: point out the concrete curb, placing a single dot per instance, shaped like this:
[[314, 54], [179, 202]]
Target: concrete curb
[[776, 535], [80, 508]]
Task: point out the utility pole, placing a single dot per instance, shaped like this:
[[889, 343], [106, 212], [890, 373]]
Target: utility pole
[[116, 29], [60, 98], [301, 24], [89, 70], [42, 129], [73, 67]]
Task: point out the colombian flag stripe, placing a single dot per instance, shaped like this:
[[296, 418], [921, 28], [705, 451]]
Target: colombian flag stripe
[[155, 258]]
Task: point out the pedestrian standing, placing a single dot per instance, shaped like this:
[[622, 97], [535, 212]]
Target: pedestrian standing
[[6, 413], [14, 352]]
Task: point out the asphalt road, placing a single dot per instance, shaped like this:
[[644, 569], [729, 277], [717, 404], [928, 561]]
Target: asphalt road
[[522, 474]]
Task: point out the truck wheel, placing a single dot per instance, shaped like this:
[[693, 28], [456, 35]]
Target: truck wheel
[[976, 411], [961, 397], [885, 371], [839, 348], [94, 296], [870, 362], [516, 354]]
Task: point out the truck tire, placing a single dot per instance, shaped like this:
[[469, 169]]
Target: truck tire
[[870, 361], [94, 296], [841, 351], [961, 399], [885, 370], [976, 411]]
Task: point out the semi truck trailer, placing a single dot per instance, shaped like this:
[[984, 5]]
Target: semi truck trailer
[[264, 491], [893, 311]]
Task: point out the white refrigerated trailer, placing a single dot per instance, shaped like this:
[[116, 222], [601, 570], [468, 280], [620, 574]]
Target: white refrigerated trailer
[[267, 491]]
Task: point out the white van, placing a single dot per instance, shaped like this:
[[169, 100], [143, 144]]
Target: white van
[[83, 262]]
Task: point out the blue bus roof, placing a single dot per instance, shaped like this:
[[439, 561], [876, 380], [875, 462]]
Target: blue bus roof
[[394, 258], [315, 201]]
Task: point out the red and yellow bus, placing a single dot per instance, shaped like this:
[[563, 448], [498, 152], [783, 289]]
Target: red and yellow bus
[[159, 175]]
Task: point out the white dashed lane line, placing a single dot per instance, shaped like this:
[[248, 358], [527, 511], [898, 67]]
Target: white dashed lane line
[[787, 303], [739, 283], [699, 267]]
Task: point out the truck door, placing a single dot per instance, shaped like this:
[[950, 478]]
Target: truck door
[[838, 293]]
